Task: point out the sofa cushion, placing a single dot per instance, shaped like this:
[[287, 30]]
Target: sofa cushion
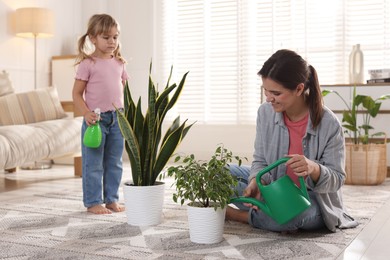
[[41, 105], [5, 84], [4, 151], [21, 144], [10, 111], [31, 107]]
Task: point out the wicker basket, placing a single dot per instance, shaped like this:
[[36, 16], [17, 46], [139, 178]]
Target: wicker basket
[[366, 164]]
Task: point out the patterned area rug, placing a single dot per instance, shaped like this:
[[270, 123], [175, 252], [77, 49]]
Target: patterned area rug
[[56, 226]]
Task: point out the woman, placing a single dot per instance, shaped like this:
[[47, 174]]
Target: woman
[[294, 123]]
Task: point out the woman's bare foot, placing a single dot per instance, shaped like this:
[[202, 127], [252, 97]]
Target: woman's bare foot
[[236, 215], [115, 207], [99, 209]]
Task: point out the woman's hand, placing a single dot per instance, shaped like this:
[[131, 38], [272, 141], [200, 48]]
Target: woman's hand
[[302, 166], [252, 190]]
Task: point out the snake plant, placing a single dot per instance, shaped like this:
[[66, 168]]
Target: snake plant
[[148, 154]]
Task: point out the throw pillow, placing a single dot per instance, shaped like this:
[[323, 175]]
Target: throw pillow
[[5, 84], [10, 111], [40, 105]]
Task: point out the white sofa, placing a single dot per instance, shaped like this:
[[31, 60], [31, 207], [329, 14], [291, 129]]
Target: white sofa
[[34, 126]]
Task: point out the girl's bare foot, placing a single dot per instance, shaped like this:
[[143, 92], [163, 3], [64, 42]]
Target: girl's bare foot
[[115, 207], [98, 209]]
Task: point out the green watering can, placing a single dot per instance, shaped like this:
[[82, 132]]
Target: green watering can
[[283, 200]]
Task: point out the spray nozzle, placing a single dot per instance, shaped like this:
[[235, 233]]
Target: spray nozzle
[[97, 112]]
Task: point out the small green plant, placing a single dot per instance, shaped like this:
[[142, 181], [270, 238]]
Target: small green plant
[[365, 105], [205, 183]]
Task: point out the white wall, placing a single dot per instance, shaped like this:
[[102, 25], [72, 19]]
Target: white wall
[[71, 17], [17, 54], [202, 140], [138, 39], [136, 18]]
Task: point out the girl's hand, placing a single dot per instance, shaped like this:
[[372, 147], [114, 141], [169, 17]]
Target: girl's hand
[[252, 190], [90, 118], [302, 166]]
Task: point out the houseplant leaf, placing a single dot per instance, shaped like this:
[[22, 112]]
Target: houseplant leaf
[[363, 105], [134, 152]]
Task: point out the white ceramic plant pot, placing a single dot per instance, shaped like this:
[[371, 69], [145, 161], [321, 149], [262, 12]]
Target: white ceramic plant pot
[[144, 204], [206, 224]]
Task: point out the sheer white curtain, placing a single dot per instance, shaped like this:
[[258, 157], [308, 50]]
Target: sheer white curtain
[[223, 43]]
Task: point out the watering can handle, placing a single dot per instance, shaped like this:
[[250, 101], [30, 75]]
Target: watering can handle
[[268, 168], [303, 187], [275, 164]]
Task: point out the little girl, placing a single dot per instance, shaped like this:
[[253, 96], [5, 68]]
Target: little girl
[[99, 82]]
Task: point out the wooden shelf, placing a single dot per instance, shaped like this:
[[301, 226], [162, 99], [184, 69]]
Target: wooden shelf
[[386, 84], [68, 106], [64, 57], [360, 112]]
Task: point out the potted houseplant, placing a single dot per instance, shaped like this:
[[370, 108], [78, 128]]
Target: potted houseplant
[[147, 152], [206, 187], [366, 160]]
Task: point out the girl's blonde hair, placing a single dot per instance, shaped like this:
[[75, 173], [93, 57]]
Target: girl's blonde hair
[[98, 24]]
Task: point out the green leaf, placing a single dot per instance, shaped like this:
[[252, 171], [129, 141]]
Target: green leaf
[[384, 97], [134, 156], [378, 134], [167, 149], [325, 92]]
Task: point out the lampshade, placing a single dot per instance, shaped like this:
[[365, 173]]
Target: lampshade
[[34, 22]]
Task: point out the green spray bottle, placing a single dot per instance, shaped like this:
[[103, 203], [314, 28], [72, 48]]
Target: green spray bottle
[[93, 134]]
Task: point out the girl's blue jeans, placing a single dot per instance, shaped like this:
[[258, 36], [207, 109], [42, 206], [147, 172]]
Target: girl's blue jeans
[[102, 166], [310, 219]]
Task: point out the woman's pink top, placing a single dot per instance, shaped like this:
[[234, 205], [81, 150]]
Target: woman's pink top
[[297, 131]]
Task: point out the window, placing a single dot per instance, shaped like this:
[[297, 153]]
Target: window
[[223, 43]]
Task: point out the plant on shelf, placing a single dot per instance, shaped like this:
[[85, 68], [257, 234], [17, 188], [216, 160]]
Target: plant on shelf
[[204, 183], [365, 157], [147, 150], [149, 154], [207, 187], [369, 109]]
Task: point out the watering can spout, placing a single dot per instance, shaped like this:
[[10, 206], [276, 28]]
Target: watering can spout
[[262, 206]]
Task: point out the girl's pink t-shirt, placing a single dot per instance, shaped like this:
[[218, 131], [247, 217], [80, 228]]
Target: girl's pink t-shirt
[[104, 78], [297, 131]]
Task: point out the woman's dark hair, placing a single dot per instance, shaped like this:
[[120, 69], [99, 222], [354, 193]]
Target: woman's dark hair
[[289, 69]]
